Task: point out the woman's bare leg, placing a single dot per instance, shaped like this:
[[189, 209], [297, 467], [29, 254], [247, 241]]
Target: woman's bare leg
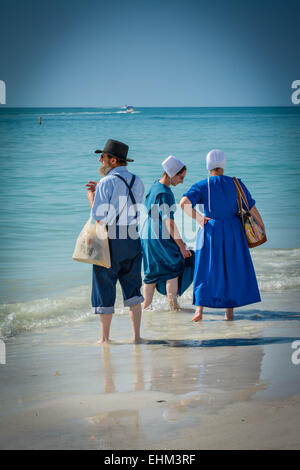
[[229, 316], [148, 294], [198, 313], [172, 290]]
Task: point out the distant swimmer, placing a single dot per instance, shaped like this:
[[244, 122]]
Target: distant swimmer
[[40, 120]]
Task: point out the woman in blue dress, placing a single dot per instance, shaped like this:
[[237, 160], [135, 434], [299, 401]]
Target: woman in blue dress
[[224, 275], [164, 252]]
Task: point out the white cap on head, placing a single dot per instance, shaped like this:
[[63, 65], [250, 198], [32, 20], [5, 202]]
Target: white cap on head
[[172, 165], [215, 159]]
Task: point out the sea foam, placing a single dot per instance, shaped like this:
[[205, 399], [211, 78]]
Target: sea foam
[[276, 270]]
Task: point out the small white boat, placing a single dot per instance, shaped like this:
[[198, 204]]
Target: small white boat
[[129, 109]]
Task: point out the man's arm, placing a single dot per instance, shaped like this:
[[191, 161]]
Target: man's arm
[[91, 189], [99, 195], [91, 197]]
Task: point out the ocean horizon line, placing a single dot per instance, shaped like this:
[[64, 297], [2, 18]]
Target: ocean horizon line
[[151, 107]]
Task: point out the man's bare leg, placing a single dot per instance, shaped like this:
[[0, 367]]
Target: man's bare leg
[[105, 321], [198, 313], [135, 314], [148, 294], [172, 290], [229, 316]]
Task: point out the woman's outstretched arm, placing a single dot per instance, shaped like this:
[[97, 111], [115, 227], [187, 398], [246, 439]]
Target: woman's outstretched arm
[[187, 207]]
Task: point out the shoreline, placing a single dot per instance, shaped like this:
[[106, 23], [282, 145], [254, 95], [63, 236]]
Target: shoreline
[[65, 312], [211, 385]]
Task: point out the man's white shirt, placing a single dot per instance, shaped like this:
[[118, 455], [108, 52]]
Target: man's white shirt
[[112, 198]]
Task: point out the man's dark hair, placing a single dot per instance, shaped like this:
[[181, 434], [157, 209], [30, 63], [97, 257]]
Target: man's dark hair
[[120, 161]]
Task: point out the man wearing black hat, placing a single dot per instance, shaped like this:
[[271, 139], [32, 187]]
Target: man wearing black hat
[[113, 201]]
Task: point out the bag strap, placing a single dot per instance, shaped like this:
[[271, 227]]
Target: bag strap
[[239, 199], [130, 193], [241, 193]]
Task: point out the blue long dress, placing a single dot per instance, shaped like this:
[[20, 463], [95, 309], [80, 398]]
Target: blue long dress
[[224, 274], [162, 258]]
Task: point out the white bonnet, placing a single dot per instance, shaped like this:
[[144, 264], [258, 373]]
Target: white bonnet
[[172, 165], [215, 159]]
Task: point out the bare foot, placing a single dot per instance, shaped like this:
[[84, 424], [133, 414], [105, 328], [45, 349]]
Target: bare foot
[[229, 315], [198, 314], [197, 317], [174, 305], [147, 306], [138, 341], [103, 341]]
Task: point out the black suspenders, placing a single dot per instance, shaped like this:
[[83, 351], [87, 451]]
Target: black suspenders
[[129, 186]]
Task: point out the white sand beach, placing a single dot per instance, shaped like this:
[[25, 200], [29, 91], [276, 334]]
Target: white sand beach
[[211, 385]]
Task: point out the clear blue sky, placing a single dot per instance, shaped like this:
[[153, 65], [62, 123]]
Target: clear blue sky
[[155, 53]]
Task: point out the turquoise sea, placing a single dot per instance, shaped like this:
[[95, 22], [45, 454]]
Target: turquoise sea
[[44, 168]]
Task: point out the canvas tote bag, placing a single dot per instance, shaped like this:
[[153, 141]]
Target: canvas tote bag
[[254, 234], [92, 245]]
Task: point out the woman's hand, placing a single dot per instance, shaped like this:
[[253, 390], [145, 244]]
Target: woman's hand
[[201, 219], [185, 252]]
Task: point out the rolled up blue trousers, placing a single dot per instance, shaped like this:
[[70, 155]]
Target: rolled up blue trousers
[[126, 263]]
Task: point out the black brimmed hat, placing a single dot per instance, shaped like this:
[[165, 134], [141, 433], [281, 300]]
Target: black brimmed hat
[[115, 148]]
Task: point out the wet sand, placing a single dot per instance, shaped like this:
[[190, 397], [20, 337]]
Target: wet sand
[[211, 385]]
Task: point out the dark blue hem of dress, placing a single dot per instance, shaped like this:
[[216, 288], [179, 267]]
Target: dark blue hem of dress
[[228, 305]]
